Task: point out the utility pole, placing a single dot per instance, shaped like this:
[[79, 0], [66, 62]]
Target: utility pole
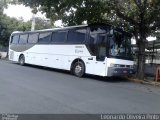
[[33, 23]]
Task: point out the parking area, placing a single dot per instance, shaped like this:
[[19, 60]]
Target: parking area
[[32, 89]]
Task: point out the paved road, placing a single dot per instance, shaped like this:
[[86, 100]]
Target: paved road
[[31, 89]]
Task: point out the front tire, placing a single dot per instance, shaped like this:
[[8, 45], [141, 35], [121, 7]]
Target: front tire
[[79, 69], [22, 60]]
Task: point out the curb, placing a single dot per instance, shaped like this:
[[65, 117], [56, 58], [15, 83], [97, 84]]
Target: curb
[[145, 82]]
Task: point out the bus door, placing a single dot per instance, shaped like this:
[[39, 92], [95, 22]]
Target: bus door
[[101, 52]]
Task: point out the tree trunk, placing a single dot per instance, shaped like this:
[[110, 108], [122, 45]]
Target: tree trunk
[[141, 58]]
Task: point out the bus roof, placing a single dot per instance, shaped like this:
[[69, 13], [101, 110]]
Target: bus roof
[[71, 27], [52, 29]]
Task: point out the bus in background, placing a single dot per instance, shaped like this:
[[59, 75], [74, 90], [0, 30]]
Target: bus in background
[[97, 49]]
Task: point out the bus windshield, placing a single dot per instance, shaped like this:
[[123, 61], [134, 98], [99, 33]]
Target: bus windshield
[[120, 45]]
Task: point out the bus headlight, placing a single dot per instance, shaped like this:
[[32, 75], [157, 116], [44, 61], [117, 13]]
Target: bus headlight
[[114, 65]]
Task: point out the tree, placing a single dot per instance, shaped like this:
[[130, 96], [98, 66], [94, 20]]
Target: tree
[[8, 25], [5, 24], [142, 15], [41, 23], [2, 26], [2, 5], [72, 12]]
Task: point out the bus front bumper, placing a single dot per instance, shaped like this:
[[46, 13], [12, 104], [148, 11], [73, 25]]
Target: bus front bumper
[[120, 71]]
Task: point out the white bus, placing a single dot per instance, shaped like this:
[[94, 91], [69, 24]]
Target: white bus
[[97, 49]]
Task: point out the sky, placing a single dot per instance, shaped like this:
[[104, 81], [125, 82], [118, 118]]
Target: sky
[[20, 11]]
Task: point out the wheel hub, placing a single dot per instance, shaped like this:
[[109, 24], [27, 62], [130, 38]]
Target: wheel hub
[[21, 61], [78, 69]]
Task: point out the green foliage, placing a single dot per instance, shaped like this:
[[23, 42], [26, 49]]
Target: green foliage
[[7, 26], [71, 12], [143, 15], [119, 12], [3, 4], [41, 23]]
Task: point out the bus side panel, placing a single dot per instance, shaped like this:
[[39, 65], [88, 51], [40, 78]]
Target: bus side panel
[[14, 56], [61, 57], [56, 56]]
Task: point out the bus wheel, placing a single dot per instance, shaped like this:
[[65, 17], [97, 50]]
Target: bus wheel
[[21, 60], [79, 69]]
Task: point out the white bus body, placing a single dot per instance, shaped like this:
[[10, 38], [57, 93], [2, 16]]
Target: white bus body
[[66, 56]]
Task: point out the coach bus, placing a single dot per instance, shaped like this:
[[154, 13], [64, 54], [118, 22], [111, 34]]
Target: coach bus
[[97, 49]]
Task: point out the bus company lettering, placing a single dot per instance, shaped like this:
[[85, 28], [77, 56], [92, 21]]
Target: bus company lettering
[[79, 46], [78, 51]]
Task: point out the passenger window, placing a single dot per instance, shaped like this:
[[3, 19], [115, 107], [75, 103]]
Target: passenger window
[[76, 36], [59, 37], [98, 30], [93, 38], [98, 46], [15, 39], [45, 37], [33, 38], [23, 39], [95, 30]]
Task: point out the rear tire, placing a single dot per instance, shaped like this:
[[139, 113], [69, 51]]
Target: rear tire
[[22, 60], [78, 69]]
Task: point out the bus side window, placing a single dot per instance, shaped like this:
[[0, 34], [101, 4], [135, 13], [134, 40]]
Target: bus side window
[[33, 38], [45, 37], [76, 36], [15, 39], [11, 40], [23, 39], [59, 36]]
